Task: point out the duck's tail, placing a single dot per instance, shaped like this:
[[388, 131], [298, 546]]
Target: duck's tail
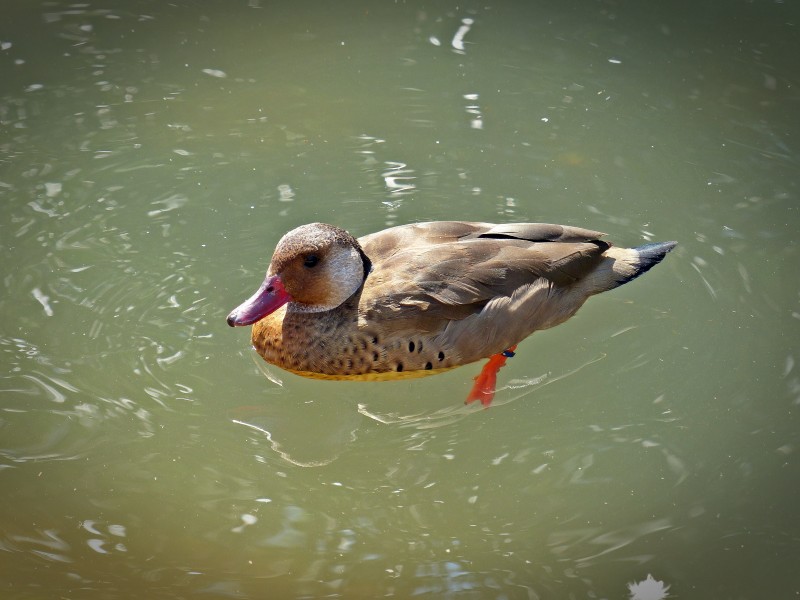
[[622, 265], [649, 256]]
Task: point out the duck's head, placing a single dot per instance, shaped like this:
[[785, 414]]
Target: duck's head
[[316, 267]]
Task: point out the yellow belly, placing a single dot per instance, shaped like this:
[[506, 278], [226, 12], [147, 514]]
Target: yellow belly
[[383, 376]]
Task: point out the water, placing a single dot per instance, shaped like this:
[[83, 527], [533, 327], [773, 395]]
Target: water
[[151, 156]]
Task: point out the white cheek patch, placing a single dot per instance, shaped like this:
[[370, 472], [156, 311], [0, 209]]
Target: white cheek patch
[[346, 268]]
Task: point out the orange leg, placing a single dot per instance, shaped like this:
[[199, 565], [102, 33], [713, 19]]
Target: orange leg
[[486, 380]]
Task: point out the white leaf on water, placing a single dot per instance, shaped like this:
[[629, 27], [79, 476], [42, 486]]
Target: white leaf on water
[[648, 589]]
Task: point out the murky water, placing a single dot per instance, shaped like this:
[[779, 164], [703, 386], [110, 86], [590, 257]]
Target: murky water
[[153, 153]]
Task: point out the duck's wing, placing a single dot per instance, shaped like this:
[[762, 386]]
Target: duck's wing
[[536, 232], [429, 274]]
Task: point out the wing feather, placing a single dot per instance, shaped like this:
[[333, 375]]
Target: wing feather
[[458, 268]]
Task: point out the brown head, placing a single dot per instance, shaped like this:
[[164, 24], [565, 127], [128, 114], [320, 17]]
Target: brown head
[[316, 267]]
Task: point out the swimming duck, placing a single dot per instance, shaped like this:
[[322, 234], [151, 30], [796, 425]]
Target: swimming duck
[[423, 298]]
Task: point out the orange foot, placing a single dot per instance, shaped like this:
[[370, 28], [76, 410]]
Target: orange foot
[[486, 380]]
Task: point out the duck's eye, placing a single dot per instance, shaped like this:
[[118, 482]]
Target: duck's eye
[[311, 261]]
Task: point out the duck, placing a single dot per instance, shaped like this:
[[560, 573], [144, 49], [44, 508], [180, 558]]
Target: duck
[[423, 298]]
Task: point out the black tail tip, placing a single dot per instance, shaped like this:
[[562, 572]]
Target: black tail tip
[[652, 254]]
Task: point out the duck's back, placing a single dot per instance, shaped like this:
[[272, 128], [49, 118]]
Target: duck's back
[[386, 242]]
